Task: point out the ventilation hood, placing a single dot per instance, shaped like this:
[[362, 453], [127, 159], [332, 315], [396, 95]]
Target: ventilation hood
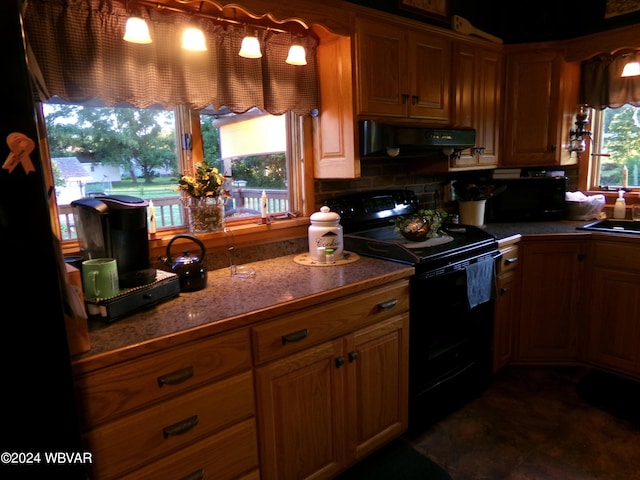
[[382, 139]]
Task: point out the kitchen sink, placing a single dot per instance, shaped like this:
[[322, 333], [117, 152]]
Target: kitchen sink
[[612, 226]]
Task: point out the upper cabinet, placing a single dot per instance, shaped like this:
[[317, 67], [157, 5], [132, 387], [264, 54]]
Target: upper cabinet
[[477, 80], [541, 94], [402, 72]]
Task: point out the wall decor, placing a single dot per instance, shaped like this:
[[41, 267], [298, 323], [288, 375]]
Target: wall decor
[[438, 9]]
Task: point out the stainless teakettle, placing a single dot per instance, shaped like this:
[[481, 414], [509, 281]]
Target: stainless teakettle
[[190, 269]]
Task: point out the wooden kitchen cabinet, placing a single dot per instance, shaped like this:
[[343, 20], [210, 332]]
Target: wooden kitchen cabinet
[[541, 96], [477, 76], [332, 383], [506, 306], [550, 299], [177, 412], [402, 71], [614, 309]]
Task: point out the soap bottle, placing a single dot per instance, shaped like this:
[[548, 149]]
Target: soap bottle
[[619, 209]]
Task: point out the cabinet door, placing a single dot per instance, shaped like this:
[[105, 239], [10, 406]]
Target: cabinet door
[[505, 317], [377, 392], [540, 99], [477, 73], [301, 414], [382, 69], [550, 299], [429, 74], [614, 333]]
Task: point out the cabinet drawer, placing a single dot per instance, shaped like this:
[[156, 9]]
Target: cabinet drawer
[[160, 430], [113, 391], [617, 255], [225, 455], [294, 332], [509, 260]]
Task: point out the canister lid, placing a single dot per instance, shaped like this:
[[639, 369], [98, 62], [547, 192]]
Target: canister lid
[[325, 215]]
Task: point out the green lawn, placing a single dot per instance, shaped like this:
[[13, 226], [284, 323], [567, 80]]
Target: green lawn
[[161, 187]]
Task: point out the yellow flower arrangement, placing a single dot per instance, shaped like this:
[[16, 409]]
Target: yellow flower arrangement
[[207, 183]]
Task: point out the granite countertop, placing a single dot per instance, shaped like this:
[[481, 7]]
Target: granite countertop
[[280, 286]]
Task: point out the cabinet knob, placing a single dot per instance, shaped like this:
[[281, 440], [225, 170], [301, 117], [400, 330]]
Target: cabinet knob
[[503, 291], [339, 361], [353, 356], [405, 98], [414, 99]]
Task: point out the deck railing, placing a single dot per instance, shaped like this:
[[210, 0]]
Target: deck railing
[[170, 211]]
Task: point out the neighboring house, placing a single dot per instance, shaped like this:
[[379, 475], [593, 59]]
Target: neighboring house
[[82, 179]]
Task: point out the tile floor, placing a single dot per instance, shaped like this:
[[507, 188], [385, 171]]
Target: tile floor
[[531, 424]]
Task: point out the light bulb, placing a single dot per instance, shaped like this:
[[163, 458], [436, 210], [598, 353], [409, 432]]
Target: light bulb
[[631, 69], [250, 48], [193, 39], [297, 55], [137, 31]]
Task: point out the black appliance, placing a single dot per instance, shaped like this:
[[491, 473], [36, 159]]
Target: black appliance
[[528, 199], [116, 227], [450, 359], [405, 141]]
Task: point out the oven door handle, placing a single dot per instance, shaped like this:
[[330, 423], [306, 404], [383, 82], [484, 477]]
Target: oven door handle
[[388, 305]]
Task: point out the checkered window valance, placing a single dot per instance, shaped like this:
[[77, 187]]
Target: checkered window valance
[[76, 52]]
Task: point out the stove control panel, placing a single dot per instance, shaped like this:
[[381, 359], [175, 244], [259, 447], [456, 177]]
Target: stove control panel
[[367, 207]]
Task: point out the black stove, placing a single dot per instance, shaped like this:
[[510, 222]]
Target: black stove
[[367, 222]]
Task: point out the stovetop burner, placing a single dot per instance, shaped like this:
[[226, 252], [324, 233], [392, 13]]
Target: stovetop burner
[[366, 219]]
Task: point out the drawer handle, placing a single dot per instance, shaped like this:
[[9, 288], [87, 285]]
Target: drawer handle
[[181, 427], [197, 475], [511, 260], [295, 336], [176, 377], [388, 305]]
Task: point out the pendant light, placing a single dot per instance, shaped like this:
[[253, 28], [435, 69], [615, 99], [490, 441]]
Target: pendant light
[[193, 40], [137, 31], [250, 47], [297, 54], [631, 69]]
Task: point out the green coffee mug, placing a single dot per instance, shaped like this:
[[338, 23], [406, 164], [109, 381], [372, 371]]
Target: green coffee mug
[[100, 278]]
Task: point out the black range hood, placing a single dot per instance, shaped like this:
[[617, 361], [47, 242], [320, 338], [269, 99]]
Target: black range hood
[[383, 139]]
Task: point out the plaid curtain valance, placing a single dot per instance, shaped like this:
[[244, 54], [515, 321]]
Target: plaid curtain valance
[[76, 52]]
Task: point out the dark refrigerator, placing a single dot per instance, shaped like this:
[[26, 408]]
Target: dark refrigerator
[[39, 417]]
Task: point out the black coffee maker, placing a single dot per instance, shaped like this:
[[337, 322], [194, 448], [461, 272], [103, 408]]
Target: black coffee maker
[[115, 226]]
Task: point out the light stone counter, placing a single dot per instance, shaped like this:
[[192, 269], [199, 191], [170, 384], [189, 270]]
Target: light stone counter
[[280, 286]]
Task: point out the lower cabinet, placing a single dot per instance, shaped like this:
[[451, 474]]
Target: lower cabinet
[[183, 412], [336, 400], [301, 395], [506, 307], [614, 312], [550, 303]]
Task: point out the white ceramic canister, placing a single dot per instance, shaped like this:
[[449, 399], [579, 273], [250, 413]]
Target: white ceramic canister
[[325, 231]]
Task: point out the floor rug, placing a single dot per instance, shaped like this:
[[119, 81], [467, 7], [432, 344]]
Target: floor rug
[[615, 395], [397, 461]]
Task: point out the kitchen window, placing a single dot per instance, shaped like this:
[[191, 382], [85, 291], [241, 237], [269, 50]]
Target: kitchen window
[[97, 150], [615, 146], [77, 53]]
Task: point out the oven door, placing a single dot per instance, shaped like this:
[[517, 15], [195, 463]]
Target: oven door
[[450, 343]]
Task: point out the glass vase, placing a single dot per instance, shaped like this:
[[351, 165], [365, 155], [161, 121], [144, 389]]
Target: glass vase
[[205, 215]]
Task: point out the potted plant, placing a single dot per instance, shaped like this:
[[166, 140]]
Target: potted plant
[[205, 198], [472, 198]]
